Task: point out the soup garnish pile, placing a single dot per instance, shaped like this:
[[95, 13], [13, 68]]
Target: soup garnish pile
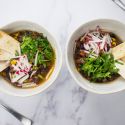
[[36, 62], [93, 58]]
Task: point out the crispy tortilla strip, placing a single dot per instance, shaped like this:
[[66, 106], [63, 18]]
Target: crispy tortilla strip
[[8, 48], [8, 43], [5, 55], [123, 59], [121, 68], [3, 65], [119, 51]]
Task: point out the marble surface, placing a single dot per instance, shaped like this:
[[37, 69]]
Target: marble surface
[[64, 103]]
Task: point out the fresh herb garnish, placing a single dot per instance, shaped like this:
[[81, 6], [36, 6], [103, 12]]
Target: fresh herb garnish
[[16, 53], [101, 67], [30, 46], [119, 62]]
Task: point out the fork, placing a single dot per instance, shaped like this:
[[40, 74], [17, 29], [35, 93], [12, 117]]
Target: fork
[[120, 4]]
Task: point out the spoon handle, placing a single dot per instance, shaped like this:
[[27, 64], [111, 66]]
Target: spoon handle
[[120, 4], [20, 117]]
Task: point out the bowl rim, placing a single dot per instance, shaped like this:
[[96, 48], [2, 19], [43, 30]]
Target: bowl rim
[[57, 71], [67, 60]]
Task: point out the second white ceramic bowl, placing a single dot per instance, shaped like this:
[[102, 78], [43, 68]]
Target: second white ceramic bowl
[[25, 25], [110, 25]]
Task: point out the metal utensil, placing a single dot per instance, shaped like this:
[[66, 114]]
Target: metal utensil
[[24, 120], [120, 4]]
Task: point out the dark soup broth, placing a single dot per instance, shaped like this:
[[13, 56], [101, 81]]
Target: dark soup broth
[[36, 61], [93, 58]]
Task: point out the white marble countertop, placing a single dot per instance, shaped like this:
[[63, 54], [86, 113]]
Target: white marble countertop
[[64, 103]]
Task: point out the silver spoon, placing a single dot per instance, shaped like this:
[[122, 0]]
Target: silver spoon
[[120, 4], [24, 120]]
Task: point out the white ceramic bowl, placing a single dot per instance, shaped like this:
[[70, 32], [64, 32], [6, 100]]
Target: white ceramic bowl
[[110, 25], [25, 25]]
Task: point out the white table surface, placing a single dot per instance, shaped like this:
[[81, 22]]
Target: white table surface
[[64, 103]]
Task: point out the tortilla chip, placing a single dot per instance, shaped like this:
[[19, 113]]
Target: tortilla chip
[[123, 59], [3, 65], [8, 49], [119, 51], [5, 55], [9, 44]]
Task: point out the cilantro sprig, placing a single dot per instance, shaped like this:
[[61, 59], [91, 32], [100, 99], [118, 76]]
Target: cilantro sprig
[[30, 46], [99, 68]]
